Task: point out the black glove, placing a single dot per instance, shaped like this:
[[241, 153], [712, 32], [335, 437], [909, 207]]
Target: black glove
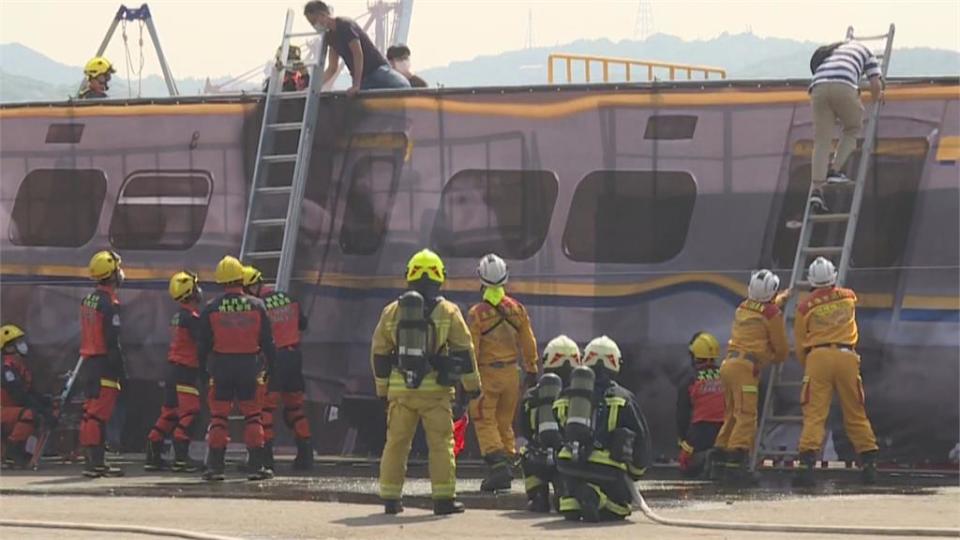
[[530, 379]]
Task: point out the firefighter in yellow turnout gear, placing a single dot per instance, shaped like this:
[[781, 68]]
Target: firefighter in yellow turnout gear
[[421, 349], [758, 337], [502, 334], [825, 333]]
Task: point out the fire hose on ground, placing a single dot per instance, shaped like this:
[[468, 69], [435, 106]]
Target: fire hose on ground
[[113, 528]]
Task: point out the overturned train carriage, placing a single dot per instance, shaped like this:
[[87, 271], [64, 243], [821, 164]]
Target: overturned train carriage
[[633, 211]]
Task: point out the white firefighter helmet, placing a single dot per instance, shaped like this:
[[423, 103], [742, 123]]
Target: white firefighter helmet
[[822, 273], [763, 286], [492, 270], [602, 351], [561, 351]]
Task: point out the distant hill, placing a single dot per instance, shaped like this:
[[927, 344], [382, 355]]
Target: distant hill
[[27, 75]]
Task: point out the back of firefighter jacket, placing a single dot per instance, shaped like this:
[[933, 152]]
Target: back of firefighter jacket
[[286, 318], [16, 382], [827, 316], [700, 398], [100, 323], [185, 337], [236, 324], [759, 330], [503, 333]]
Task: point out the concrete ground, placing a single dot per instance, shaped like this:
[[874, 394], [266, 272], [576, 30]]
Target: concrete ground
[[260, 519]]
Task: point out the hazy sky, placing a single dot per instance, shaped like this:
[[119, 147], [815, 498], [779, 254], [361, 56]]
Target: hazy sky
[[219, 37]]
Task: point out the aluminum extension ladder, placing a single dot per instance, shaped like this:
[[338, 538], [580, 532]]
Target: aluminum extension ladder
[[273, 212], [771, 418]]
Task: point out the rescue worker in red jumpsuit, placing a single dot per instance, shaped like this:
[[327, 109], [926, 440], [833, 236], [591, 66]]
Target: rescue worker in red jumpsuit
[[102, 366], [181, 392], [286, 385], [235, 330], [20, 405], [700, 406]]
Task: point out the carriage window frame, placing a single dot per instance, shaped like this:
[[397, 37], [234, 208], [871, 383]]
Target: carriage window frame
[[546, 192], [124, 199], [84, 225], [663, 245], [670, 127]]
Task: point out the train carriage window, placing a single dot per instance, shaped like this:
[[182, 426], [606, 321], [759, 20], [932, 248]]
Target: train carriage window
[[670, 127], [372, 189], [58, 207], [162, 210], [630, 216], [885, 212], [503, 211]]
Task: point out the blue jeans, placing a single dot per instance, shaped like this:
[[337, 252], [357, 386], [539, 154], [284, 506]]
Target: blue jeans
[[384, 77]]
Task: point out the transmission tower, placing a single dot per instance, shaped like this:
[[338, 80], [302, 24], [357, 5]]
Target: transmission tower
[[644, 25]]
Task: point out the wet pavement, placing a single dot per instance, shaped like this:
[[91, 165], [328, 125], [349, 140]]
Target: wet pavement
[[351, 480]]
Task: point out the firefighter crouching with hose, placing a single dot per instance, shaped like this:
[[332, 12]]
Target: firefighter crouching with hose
[[606, 439], [502, 334], [421, 348], [700, 408], [538, 423]]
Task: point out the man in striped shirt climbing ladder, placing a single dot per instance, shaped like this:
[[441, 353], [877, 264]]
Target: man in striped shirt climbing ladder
[[835, 94]]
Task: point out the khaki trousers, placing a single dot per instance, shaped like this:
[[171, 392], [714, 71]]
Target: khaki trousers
[[740, 386], [403, 415], [831, 101]]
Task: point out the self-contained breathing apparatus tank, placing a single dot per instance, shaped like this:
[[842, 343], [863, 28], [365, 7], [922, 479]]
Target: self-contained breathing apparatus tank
[[578, 430], [414, 335], [548, 431]]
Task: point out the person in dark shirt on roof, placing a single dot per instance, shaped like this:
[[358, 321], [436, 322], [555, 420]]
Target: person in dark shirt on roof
[[347, 40]]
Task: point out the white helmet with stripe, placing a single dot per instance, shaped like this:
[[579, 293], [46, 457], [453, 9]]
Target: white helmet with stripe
[[561, 352], [492, 270], [822, 273], [602, 351], [763, 286]]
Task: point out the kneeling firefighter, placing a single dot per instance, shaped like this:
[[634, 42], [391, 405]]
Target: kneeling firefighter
[[21, 406], [700, 407], [421, 349], [606, 439], [538, 423]]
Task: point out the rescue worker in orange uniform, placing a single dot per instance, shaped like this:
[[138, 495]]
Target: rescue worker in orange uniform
[[825, 332], [181, 391], [20, 405], [286, 385], [421, 350], [102, 366], [502, 335], [700, 407], [235, 330], [758, 337]]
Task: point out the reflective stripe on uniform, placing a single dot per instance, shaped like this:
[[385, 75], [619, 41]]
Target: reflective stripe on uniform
[[110, 383], [569, 504], [390, 491], [749, 388], [602, 457], [615, 403], [532, 482], [186, 389], [444, 491], [548, 426]]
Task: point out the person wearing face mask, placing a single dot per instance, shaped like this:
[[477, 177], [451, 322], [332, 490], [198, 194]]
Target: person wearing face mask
[[20, 404], [102, 366], [182, 394], [97, 73], [399, 58]]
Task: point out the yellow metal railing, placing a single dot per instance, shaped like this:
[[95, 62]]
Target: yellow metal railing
[[629, 67]]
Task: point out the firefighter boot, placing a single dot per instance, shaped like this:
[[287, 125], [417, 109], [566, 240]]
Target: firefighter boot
[[499, 476], [304, 459], [215, 465], [804, 475], [154, 459], [737, 472], [257, 469], [539, 499], [589, 501], [868, 472], [16, 456], [96, 464], [181, 459], [392, 506], [443, 507]]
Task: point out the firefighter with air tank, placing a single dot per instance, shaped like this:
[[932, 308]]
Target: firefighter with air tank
[[421, 349]]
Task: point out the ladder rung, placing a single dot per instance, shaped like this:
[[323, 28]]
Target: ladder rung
[[264, 255], [275, 190], [829, 218], [871, 38], [279, 158], [273, 222], [767, 453], [292, 95], [286, 126], [789, 384], [823, 250], [801, 283], [784, 418], [302, 34]]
